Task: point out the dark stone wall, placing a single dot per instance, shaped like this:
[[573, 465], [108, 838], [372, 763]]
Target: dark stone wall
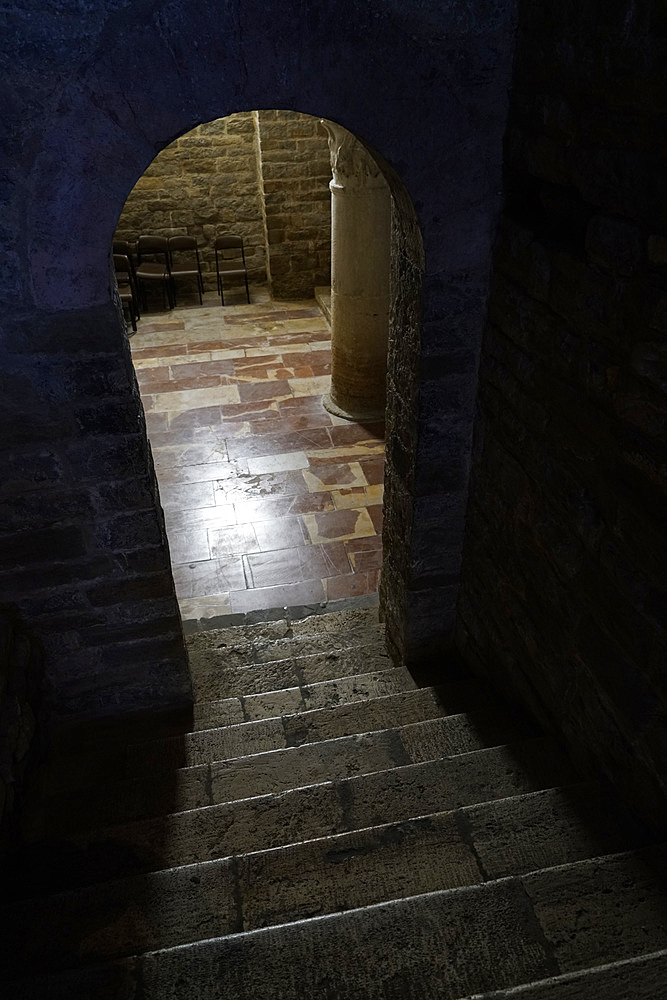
[[93, 90], [564, 582], [23, 716]]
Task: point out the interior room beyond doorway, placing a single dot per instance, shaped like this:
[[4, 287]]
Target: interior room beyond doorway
[[269, 500]]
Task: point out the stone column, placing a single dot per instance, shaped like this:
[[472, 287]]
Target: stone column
[[360, 246]]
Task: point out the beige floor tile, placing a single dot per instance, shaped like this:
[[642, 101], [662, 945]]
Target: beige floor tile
[[194, 399], [357, 497], [278, 463], [315, 386]]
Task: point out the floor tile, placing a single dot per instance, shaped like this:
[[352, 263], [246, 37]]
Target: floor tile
[[354, 585], [234, 540], [187, 496], [335, 525], [189, 546], [315, 386], [311, 562], [310, 592], [277, 463], [334, 477], [280, 533], [215, 576]]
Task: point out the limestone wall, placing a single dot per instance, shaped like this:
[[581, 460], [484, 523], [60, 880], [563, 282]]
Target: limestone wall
[[564, 589], [204, 184], [296, 172], [263, 176]]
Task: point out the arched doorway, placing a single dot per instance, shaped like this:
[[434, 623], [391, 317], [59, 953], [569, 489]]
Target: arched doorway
[[148, 74]]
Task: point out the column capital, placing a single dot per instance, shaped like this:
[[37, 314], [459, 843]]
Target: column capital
[[352, 165]]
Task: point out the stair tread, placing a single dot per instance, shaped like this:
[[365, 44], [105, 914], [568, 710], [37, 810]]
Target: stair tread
[[331, 693], [273, 820], [377, 951], [420, 707], [298, 881], [223, 680]]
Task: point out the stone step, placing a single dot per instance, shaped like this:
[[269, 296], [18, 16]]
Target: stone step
[[214, 647], [260, 757], [447, 944], [156, 793], [325, 694], [213, 682], [84, 766], [395, 713], [251, 824], [642, 978], [331, 874]]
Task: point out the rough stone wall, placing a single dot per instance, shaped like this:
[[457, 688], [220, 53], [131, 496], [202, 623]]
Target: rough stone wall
[[296, 172], [83, 552], [204, 184], [262, 175], [22, 714], [564, 583]]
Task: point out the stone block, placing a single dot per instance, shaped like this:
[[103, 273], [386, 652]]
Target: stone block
[[615, 245]]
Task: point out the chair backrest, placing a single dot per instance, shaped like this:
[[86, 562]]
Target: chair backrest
[[122, 266], [182, 243], [152, 245], [228, 243]]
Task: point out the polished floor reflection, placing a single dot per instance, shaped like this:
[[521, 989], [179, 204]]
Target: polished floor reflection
[[269, 500]]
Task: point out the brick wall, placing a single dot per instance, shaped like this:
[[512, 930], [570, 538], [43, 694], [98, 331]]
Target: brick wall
[[564, 571], [262, 175], [204, 184], [296, 172]]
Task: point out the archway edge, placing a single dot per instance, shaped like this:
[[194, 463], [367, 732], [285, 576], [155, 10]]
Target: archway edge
[[425, 85], [162, 68]]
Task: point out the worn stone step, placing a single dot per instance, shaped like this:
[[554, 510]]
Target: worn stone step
[[325, 694], [288, 731], [260, 633], [260, 757], [308, 879], [441, 945], [208, 649], [641, 978], [213, 682], [274, 820], [157, 793]]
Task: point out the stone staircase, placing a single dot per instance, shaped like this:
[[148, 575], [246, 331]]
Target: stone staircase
[[329, 830]]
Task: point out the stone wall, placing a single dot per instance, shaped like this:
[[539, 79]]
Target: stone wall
[[23, 707], [564, 573], [261, 175], [83, 552], [204, 184], [295, 174]]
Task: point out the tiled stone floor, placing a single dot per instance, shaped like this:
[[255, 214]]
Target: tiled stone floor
[[269, 500]]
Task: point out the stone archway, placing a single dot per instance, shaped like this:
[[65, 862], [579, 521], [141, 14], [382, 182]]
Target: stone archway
[[428, 90]]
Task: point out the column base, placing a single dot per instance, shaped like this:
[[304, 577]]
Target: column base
[[360, 416]]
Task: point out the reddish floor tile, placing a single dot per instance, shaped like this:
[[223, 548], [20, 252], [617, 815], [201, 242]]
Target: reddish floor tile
[[249, 392], [364, 561], [353, 585], [373, 469], [353, 433], [339, 524], [203, 416], [375, 512]]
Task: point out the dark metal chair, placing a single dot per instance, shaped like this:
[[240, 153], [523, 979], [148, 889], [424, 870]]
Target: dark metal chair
[[230, 262], [126, 286], [153, 267], [184, 262]]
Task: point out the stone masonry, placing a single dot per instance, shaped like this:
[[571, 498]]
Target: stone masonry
[[261, 175]]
